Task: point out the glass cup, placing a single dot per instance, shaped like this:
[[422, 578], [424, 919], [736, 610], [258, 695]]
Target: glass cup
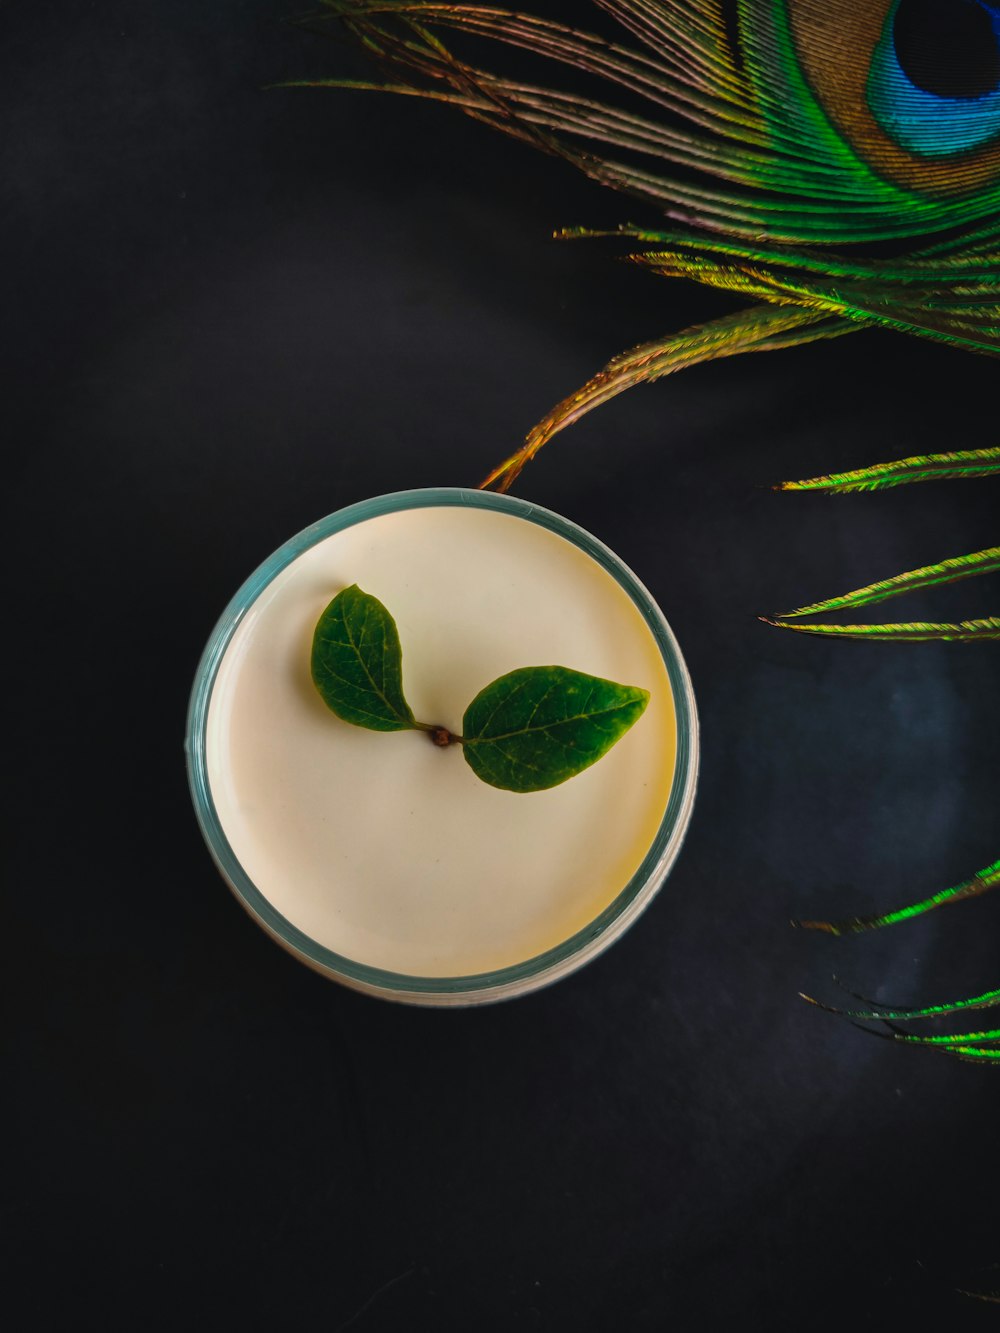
[[477, 986]]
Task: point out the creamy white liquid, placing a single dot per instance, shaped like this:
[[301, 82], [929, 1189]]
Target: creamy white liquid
[[382, 847]]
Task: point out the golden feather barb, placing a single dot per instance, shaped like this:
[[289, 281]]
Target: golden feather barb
[[760, 329]]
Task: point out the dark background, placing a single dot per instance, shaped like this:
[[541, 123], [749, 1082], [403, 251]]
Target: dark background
[[233, 310]]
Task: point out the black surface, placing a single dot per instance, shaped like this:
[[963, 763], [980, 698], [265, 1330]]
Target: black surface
[[231, 311]]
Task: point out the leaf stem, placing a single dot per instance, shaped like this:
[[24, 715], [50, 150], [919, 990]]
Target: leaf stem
[[439, 735]]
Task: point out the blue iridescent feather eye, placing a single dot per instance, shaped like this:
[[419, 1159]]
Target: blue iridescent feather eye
[[934, 83]]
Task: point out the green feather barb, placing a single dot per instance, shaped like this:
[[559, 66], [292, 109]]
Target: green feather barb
[[964, 631], [929, 576], [979, 1046], [988, 1000], [981, 882], [922, 467]]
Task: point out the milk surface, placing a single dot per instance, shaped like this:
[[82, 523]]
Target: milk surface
[[386, 849]]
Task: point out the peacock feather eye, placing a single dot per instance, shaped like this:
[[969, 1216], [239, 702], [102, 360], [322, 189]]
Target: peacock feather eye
[[913, 86], [949, 48], [934, 84]]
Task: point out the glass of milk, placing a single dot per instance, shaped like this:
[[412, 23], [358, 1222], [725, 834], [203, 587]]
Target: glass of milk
[[381, 860]]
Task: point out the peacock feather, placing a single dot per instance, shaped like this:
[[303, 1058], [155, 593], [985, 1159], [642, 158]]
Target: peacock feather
[[837, 162], [786, 142]]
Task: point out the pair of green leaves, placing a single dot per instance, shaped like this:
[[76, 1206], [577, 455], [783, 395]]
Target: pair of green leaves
[[526, 731]]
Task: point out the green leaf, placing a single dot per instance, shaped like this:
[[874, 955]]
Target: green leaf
[[538, 726], [357, 663]]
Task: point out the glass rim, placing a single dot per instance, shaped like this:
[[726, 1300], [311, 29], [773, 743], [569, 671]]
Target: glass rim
[[517, 978]]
